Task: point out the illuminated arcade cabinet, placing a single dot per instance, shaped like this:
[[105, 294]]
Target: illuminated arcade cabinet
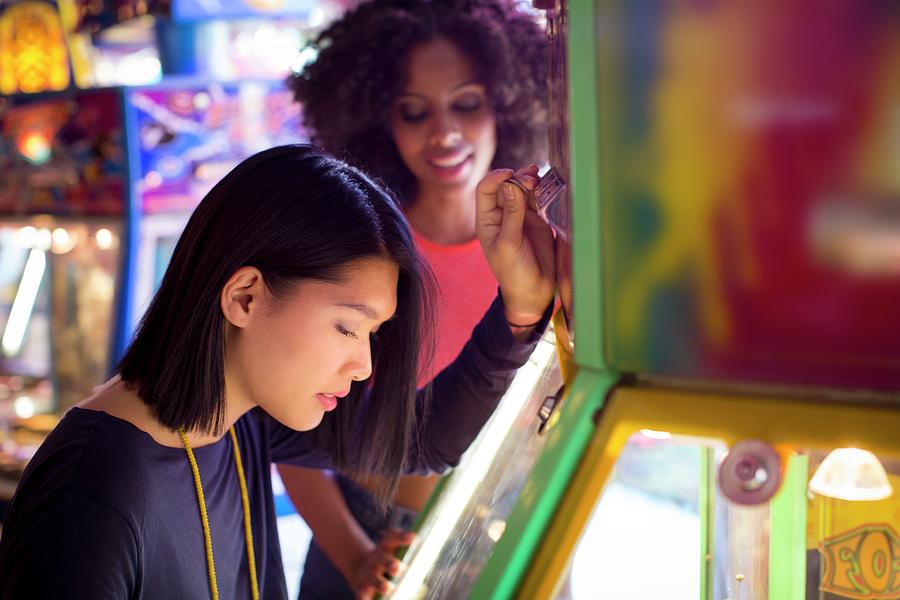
[[731, 428]]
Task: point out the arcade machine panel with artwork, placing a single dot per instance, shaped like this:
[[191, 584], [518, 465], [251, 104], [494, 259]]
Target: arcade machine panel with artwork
[[187, 136], [61, 219]]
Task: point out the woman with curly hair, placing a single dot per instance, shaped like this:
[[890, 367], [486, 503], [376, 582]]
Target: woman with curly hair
[[427, 96]]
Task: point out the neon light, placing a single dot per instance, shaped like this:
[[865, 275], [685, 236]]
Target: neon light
[[23, 304]]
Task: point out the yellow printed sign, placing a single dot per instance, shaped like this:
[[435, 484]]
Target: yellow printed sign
[[863, 563]]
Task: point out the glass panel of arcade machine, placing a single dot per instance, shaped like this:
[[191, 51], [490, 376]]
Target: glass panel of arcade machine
[[667, 525], [468, 517]]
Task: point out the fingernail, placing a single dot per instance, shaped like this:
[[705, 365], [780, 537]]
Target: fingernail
[[508, 192]]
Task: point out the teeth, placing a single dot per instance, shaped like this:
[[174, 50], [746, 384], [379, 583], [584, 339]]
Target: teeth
[[448, 163]]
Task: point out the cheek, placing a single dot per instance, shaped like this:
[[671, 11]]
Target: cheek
[[481, 129], [408, 139], [288, 353]]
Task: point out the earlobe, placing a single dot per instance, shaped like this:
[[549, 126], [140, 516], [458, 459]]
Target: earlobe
[[238, 295]]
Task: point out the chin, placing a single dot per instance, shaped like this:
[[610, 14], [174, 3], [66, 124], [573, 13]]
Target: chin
[[303, 422]]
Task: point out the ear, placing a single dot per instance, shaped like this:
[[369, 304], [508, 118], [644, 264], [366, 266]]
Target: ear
[[243, 296]]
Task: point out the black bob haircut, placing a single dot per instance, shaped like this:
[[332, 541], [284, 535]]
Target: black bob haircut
[[295, 213]]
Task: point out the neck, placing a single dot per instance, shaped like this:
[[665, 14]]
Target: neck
[[444, 217], [117, 400]]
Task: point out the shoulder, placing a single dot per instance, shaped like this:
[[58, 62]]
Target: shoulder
[[78, 504], [90, 454]]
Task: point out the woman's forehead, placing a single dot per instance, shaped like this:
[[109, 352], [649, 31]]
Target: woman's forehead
[[367, 287], [438, 63]]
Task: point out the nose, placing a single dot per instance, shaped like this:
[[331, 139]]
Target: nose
[[446, 131], [359, 364]]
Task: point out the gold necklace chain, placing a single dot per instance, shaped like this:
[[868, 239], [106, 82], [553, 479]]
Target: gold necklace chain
[[207, 538]]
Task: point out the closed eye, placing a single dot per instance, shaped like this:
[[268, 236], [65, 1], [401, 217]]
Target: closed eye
[[470, 106], [346, 332], [413, 117]]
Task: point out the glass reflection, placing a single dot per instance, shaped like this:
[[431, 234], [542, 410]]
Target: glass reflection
[[469, 517]]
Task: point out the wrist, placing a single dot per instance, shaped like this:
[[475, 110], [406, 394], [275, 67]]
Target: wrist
[[522, 324], [355, 559], [523, 319]]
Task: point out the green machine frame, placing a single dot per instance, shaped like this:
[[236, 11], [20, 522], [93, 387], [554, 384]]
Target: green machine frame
[[569, 438]]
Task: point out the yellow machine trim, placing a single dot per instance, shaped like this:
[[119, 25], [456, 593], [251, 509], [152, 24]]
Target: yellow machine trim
[[784, 422]]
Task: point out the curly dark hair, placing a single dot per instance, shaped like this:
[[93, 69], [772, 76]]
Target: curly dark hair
[[360, 68]]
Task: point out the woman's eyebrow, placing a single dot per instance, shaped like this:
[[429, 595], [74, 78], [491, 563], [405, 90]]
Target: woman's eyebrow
[[365, 309], [421, 96]]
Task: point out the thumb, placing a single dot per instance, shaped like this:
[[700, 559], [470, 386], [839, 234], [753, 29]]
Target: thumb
[[513, 201]]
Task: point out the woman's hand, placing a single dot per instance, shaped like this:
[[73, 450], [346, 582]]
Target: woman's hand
[[517, 243], [369, 577]]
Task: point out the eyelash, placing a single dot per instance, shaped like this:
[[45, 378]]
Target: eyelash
[[463, 108], [413, 118], [470, 107], [346, 333]]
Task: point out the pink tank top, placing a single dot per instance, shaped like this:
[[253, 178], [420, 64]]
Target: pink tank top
[[466, 288]]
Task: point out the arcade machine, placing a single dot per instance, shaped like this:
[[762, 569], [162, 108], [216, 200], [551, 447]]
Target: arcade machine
[[730, 432], [187, 137], [62, 211], [222, 99]]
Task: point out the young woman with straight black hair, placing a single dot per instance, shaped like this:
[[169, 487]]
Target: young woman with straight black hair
[[286, 329]]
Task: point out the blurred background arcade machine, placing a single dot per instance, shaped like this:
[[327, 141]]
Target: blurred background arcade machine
[[115, 119], [730, 431], [62, 217]]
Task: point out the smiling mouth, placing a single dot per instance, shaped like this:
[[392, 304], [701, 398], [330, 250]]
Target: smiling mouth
[[450, 162]]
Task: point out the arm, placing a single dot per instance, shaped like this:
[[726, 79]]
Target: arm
[[465, 394], [519, 247], [319, 501], [321, 504]]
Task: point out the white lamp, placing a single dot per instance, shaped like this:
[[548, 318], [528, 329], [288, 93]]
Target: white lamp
[[851, 474]]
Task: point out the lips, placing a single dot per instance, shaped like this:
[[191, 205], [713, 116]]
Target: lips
[[330, 401], [452, 168]]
